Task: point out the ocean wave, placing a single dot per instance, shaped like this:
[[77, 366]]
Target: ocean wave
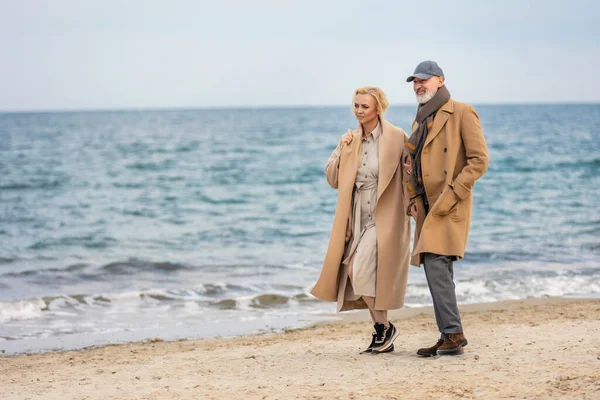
[[143, 212], [209, 296], [131, 267], [285, 233], [486, 257], [492, 285], [169, 178], [227, 304], [579, 163], [32, 272], [8, 260], [306, 177], [269, 300], [532, 285], [510, 282], [41, 184], [152, 166], [188, 147], [85, 271], [223, 201], [89, 241], [130, 185], [134, 266], [594, 247], [21, 310], [512, 164]]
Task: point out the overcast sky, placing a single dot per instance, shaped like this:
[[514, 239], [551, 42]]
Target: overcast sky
[[78, 54]]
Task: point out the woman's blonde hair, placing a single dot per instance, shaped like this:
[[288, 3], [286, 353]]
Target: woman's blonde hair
[[380, 97]]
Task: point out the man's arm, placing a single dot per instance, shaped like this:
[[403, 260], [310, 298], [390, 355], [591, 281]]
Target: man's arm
[[476, 152]]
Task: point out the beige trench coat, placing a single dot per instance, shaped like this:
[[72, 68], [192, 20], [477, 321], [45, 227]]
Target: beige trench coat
[[392, 223], [454, 156]]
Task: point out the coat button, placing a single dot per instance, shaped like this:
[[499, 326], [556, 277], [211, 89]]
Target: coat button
[[445, 149], [445, 173]]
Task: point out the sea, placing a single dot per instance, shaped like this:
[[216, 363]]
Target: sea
[[120, 226]]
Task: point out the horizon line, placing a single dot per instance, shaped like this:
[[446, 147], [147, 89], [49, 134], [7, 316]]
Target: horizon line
[[264, 106]]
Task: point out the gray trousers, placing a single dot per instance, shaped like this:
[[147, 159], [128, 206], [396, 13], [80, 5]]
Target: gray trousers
[[440, 278]]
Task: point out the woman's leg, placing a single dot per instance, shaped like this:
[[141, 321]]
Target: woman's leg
[[371, 308], [379, 316], [379, 343]]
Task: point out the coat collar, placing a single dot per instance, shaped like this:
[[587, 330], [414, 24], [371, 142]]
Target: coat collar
[[440, 120], [376, 132]]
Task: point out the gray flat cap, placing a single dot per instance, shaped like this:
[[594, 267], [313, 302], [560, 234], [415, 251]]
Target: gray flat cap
[[426, 70]]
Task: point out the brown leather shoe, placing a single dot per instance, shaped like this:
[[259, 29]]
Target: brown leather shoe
[[453, 344], [430, 351]]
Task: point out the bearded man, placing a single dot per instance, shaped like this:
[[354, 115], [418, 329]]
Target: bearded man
[[447, 153]]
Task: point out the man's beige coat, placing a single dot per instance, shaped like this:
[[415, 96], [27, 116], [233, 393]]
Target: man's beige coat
[[454, 156]]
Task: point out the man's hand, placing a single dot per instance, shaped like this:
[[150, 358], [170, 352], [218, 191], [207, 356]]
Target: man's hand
[[408, 165], [413, 211]]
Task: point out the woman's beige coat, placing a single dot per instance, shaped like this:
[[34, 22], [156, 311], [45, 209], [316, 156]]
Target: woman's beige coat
[[454, 156], [392, 223]]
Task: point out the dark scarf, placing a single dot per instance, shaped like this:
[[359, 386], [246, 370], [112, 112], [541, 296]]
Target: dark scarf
[[425, 114]]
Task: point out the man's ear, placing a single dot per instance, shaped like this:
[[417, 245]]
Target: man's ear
[[441, 81]]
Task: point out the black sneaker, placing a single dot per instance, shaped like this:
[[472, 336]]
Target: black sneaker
[[370, 348], [384, 339]]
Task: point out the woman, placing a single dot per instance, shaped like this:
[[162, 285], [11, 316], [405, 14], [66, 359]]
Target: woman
[[366, 265]]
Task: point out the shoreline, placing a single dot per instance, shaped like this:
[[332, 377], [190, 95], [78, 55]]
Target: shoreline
[[74, 342], [535, 348]]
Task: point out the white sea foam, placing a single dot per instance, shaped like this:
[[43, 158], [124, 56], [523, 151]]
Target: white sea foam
[[21, 310], [476, 291]]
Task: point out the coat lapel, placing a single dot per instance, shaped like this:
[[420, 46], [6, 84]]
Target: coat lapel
[[440, 120], [390, 150]]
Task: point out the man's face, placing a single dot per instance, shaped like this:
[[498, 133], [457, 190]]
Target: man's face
[[425, 89]]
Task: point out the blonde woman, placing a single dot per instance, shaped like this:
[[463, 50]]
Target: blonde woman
[[366, 265]]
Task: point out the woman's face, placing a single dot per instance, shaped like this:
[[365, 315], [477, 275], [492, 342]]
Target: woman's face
[[365, 109]]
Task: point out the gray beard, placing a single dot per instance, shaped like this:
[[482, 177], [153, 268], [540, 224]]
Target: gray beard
[[424, 98]]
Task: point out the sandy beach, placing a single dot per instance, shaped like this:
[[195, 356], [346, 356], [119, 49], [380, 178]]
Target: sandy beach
[[532, 349]]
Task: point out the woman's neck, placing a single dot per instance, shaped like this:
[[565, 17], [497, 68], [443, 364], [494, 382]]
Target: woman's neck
[[369, 127]]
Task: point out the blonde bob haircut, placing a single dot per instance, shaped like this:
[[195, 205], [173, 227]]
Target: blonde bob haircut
[[380, 97]]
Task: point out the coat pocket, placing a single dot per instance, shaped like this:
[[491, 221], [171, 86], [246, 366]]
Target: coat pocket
[[446, 203]]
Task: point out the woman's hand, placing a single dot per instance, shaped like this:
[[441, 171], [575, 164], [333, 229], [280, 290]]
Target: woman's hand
[[347, 138]]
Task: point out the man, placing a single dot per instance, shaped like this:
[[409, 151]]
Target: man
[[448, 154]]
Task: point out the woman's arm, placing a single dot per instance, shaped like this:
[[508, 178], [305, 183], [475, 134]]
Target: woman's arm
[[332, 168]]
